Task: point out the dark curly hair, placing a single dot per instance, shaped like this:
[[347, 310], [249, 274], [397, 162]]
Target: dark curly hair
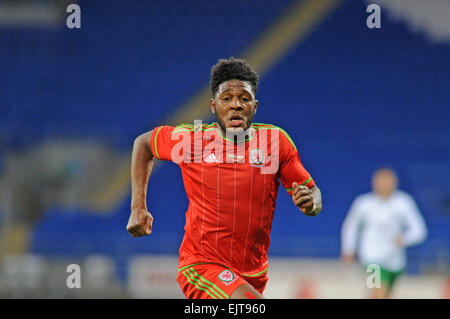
[[232, 69]]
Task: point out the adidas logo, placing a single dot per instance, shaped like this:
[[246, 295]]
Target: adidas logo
[[211, 158]]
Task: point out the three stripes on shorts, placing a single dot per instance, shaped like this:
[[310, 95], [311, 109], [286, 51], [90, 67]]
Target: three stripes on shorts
[[203, 284]]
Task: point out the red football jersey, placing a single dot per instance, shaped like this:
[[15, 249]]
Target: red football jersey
[[232, 188]]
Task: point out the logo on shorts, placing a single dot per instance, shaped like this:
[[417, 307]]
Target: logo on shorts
[[256, 157], [227, 276]]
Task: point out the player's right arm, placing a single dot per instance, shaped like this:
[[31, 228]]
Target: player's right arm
[[142, 159]]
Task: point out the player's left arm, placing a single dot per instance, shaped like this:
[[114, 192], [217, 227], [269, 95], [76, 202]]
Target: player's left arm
[[416, 229], [296, 179], [309, 200]]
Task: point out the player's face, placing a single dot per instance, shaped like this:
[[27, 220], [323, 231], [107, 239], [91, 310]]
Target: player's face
[[234, 105], [384, 183]]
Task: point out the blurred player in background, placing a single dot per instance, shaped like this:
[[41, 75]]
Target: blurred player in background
[[385, 221], [230, 186]]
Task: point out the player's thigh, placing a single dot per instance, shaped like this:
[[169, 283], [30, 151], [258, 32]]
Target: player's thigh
[[246, 291], [258, 282], [388, 278]]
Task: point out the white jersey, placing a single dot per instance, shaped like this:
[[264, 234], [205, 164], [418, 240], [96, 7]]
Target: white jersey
[[376, 222]]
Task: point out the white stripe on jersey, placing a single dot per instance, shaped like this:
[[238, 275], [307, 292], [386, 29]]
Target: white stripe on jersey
[[218, 206], [250, 210], [234, 213], [204, 209]]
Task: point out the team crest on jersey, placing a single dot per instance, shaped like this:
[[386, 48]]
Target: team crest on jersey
[[227, 276], [256, 157]]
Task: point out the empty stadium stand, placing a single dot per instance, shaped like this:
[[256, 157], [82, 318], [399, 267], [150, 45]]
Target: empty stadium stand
[[351, 98]]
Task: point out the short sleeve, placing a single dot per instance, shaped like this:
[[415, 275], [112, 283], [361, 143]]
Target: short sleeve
[[171, 143], [291, 167], [161, 142]]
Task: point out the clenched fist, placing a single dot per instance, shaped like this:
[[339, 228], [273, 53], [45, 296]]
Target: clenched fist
[[303, 198], [140, 223]]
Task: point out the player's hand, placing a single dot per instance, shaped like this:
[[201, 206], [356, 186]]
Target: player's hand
[[399, 242], [303, 198], [347, 258], [140, 223]]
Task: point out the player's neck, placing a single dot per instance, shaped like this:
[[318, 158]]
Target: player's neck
[[384, 196], [236, 137]]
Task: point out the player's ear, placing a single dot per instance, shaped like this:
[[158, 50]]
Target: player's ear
[[212, 104], [256, 106]]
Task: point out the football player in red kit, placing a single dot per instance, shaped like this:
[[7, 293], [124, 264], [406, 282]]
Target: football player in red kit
[[231, 171]]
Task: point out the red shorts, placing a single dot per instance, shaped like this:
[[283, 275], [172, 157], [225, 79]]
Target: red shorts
[[214, 281]]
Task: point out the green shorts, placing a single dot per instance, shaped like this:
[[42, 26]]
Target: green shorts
[[389, 277]]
